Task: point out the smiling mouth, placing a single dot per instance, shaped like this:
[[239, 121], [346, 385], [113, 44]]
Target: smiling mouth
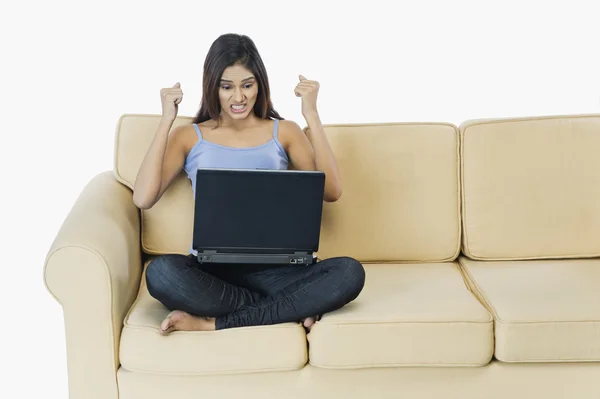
[[238, 108]]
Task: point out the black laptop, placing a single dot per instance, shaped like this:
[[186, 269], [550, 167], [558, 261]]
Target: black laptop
[[257, 216]]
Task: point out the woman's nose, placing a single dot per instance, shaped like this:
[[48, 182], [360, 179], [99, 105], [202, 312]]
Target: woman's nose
[[239, 96]]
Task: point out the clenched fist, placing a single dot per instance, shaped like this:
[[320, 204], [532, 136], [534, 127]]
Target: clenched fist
[[170, 98], [307, 90]]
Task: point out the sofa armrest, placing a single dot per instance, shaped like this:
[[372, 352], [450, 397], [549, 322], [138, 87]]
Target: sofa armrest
[[93, 270]]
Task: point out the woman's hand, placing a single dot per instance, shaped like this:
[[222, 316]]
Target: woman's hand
[[171, 98], [307, 90]]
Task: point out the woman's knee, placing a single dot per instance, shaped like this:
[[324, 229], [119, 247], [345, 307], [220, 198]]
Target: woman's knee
[[161, 274], [174, 281], [357, 276], [352, 275]]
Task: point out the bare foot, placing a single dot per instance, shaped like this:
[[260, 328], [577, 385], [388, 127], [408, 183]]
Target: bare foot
[[179, 320], [309, 321]]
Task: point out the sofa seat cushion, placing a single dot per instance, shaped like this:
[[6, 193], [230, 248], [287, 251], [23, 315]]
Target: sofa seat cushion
[[237, 350], [544, 310], [406, 315]]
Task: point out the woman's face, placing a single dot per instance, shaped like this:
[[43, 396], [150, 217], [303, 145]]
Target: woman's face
[[238, 91]]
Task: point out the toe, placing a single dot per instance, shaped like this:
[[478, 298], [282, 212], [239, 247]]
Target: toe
[[165, 329], [167, 324], [165, 332], [308, 322]]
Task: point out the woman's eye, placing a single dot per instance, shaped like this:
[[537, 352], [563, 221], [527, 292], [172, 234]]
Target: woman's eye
[[249, 85], [225, 87]]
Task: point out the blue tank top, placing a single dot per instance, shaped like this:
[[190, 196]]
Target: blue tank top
[[205, 154]]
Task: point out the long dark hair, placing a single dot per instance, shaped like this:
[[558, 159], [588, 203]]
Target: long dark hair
[[230, 49]]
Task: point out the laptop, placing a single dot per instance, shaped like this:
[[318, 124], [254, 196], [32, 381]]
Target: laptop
[[257, 216]]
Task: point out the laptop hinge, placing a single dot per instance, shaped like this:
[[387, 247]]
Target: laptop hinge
[[298, 257]]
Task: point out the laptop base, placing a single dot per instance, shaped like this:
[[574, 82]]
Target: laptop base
[[265, 259]]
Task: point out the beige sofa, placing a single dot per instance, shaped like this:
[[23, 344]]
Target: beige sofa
[[481, 244]]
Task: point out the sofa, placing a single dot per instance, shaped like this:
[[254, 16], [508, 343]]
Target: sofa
[[480, 242]]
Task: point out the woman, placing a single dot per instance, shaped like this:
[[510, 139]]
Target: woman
[[237, 127]]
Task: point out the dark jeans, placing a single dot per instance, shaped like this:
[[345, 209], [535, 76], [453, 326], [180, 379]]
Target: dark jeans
[[249, 295]]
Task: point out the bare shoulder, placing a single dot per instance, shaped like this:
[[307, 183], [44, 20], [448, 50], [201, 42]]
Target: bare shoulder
[[289, 127], [181, 130], [289, 131], [184, 137]]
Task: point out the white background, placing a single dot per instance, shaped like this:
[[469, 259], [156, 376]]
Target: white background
[[70, 69]]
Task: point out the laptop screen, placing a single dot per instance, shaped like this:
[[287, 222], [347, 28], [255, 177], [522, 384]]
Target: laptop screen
[[258, 211]]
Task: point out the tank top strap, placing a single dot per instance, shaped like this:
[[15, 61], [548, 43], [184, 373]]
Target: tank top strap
[[276, 129], [197, 131]]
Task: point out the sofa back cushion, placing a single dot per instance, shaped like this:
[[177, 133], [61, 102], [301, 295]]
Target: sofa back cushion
[[166, 227], [400, 198], [531, 187]]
